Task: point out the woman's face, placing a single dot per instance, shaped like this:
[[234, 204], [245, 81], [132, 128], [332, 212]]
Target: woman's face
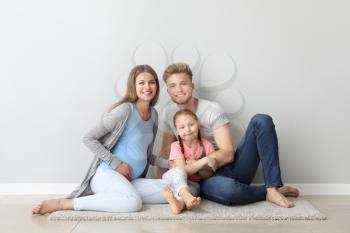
[[146, 87]]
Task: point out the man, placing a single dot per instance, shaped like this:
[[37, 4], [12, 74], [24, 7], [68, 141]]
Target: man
[[230, 184]]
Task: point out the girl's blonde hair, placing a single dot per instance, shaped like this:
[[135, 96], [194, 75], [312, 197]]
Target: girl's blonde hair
[[188, 112], [130, 95]]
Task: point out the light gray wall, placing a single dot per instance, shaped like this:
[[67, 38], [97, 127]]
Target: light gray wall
[[60, 61]]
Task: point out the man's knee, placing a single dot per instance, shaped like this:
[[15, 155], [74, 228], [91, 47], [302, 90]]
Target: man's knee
[[262, 120]]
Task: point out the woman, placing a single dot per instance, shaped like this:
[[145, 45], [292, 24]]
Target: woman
[[122, 144]]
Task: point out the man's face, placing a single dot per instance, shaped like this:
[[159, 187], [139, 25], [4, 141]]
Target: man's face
[[180, 88]]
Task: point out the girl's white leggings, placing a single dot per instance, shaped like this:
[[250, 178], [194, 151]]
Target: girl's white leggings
[[177, 177], [114, 193]]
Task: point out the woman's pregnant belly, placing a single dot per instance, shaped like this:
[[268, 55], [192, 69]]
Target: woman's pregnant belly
[[134, 153]]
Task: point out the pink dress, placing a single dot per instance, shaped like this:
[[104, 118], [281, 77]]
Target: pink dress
[[193, 153]]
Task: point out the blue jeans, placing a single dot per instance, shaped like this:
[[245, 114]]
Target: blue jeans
[[230, 185]]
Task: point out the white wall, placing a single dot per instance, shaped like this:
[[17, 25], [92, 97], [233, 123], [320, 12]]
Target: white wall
[[59, 62]]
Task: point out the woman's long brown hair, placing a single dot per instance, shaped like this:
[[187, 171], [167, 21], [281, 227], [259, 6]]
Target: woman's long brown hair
[[130, 95]]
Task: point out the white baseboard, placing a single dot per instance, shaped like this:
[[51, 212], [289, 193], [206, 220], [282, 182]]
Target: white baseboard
[[323, 189], [66, 188], [37, 188]]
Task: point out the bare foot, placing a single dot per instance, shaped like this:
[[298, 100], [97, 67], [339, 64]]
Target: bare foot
[[176, 205], [52, 205], [193, 202], [288, 191], [274, 196]]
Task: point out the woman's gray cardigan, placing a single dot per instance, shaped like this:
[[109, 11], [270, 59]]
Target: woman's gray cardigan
[[102, 138]]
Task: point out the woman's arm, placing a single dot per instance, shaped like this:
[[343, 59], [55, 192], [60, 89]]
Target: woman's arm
[[92, 141], [110, 121]]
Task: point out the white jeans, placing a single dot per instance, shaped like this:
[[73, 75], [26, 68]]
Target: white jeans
[[114, 193]]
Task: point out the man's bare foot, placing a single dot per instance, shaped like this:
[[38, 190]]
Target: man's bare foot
[[176, 205], [52, 205], [193, 202], [288, 191], [274, 196]]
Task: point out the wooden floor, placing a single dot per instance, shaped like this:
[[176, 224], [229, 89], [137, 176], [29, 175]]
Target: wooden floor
[[15, 216]]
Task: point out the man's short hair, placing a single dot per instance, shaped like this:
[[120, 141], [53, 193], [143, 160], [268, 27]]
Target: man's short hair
[[177, 68]]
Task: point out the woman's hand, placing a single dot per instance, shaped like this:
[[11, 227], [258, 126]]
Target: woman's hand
[[125, 170]]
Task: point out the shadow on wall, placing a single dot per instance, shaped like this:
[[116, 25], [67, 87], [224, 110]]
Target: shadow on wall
[[214, 78]]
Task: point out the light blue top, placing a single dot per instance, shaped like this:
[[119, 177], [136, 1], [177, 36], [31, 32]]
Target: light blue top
[[133, 143]]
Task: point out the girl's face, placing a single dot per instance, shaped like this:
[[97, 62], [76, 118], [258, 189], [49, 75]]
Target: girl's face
[[186, 127], [146, 87]]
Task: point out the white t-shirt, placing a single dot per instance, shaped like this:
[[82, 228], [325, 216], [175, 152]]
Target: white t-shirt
[[210, 114]]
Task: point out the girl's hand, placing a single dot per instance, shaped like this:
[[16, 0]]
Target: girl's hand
[[212, 163], [190, 161], [125, 170]]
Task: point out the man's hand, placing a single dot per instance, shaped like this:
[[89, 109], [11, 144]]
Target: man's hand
[[208, 169], [205, 172], [125, 170], [212, 163]]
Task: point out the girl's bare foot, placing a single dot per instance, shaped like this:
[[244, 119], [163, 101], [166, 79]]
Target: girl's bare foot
[[274, 196], [52, 205], [176, 205], [288, 191], [192, 202]]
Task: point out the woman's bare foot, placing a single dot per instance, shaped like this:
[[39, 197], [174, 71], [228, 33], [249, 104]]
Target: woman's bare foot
[[176, 205], [192, 202], [274, 196], [288, 191], [52, 205]]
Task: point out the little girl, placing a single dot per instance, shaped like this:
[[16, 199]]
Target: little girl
[[187, 156]]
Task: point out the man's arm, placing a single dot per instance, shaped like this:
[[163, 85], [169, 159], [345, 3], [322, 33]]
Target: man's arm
[[167, 139], [224, 141], [225, 152]]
